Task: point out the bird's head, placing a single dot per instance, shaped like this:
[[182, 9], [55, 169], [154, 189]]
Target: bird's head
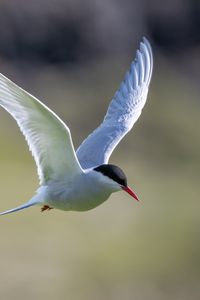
[[116, 178]]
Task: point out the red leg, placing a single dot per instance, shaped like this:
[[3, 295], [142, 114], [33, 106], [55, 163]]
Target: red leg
[[46, 207]]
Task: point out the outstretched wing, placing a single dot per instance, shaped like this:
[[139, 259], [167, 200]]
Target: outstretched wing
[[123, 111], [49, 139]]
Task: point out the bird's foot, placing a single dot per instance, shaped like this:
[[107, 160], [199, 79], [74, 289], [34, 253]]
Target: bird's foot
[[46, 207]]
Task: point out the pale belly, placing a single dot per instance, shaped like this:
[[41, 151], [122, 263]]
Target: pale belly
[[85, 192], [82, 199]]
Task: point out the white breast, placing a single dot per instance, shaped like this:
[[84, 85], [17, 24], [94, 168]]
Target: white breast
[[85, 192]]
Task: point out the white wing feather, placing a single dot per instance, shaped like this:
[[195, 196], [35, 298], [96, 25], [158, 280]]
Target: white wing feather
[[123, 111], [49, 139]]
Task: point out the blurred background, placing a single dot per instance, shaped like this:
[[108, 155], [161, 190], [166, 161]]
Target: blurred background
[[73, 56]]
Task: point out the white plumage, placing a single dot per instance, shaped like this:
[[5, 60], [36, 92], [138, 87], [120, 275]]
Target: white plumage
[[69, 180], [123, 111]]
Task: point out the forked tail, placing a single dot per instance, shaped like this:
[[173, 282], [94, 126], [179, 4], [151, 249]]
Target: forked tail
[[23, 206]]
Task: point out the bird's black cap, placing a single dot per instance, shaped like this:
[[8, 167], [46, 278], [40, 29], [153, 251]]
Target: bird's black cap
[[113, 172]]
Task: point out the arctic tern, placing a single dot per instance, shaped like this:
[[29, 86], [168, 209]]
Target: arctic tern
[[84, 179]]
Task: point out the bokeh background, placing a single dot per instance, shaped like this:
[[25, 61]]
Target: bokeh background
[[73, 55]]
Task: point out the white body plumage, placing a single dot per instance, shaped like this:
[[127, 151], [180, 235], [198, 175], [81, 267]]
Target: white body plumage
[[91, 189], [83, 179]]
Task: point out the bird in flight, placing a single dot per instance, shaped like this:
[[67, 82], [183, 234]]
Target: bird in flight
[[84, 179]]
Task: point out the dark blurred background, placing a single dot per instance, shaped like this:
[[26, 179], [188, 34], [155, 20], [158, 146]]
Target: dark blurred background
[[73, 55], [58, 32]]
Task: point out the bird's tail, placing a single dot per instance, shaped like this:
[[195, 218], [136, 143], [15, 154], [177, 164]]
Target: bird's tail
[[23, 206]]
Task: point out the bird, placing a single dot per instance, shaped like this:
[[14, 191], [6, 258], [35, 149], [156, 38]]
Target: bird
[[79, 180]]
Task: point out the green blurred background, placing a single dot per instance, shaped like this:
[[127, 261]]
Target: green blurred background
[[73, 57]]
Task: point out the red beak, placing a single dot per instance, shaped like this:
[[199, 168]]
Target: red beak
[[130, 192]]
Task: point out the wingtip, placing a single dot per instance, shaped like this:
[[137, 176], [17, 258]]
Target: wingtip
[[146, 41], [145, 47]]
